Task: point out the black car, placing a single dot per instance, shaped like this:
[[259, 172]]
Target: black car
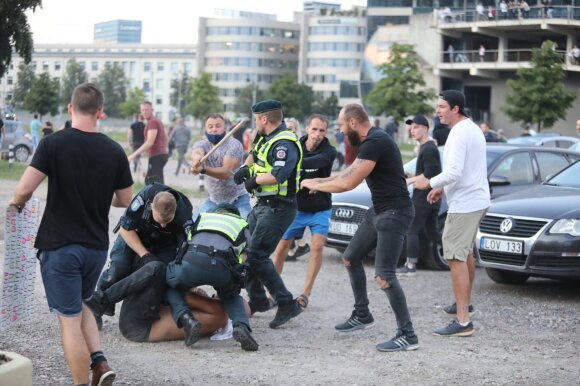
[[510, 168], [534, 232]]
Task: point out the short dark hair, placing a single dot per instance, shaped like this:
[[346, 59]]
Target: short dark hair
[[274, 116], [147, 103], [318, 116], [87, 98], [215, 116], [355, 111]]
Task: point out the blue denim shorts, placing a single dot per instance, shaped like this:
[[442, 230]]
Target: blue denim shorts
[[317, 221], [69, 275]]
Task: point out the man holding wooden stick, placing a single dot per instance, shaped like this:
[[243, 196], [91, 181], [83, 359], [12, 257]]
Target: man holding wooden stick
[[218, 160]]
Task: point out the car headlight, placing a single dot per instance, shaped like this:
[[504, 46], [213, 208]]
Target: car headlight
[[568, 226]]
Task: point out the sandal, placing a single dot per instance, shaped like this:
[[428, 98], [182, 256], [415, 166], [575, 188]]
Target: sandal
[[302, 301]]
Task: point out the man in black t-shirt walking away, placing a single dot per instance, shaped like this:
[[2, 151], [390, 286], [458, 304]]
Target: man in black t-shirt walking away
[[88, 172], [426, 214], [384, 227]]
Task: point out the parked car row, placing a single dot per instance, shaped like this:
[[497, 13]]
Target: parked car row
[[511, 168]]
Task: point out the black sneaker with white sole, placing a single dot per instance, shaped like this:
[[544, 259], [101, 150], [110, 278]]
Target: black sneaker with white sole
[[455, 329], [452, 309], [356, 322], [399, 342]]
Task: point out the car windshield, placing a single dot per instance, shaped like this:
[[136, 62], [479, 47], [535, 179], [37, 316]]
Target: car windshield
[[576, 146], [569, 177]]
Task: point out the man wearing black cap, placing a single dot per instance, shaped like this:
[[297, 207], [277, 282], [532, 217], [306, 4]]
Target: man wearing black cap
[[428, 164], [464, 179], [384, 226], [271, 173]]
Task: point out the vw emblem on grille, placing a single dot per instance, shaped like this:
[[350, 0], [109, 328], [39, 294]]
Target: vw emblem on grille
[[506, 225], [344, 213]]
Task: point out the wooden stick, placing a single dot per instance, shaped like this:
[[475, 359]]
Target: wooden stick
[[228, 135]]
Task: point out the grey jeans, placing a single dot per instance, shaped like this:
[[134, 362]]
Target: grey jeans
[[385, 232]]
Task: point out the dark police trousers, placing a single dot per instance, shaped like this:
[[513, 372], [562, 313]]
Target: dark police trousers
[[142, 292], [267, 225], [122, 262], [197, 269]]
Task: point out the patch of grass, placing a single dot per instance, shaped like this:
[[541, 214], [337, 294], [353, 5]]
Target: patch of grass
[[13, 172], [407, 147]]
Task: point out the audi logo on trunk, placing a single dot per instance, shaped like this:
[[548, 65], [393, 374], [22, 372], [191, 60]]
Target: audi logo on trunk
[[344, 213]]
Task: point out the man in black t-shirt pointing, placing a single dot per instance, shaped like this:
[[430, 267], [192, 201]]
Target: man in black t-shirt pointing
[[384, 227]]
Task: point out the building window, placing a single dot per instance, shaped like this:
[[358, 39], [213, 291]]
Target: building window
[[160, 66], [57, 66], [147, 66], [45, 66], [187, 67], [82, 65], [159, 84], [146, 85], [9, 81], [158, 100], [174, 67], [95, 66]]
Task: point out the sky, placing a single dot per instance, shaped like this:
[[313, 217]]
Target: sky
[[164, 21]]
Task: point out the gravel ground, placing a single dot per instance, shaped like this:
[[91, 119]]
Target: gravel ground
[[525, 335]]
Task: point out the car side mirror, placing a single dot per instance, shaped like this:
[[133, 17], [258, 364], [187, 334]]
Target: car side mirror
[[499, 181]]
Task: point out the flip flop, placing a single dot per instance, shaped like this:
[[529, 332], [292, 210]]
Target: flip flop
[[302, 301]]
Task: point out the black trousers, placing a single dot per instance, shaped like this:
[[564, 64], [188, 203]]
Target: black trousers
[[155, 169], [267, 225]]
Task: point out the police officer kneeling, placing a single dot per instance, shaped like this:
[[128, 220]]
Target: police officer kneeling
[[213, 257]]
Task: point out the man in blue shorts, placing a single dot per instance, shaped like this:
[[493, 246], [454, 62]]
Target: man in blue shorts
[[73, 237], [314, 210]]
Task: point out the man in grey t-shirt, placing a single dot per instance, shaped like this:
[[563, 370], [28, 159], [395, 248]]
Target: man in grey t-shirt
[[219, 168]]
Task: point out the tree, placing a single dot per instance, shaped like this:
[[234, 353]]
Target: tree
[[24, 79], [15, 31], [132, 105], [202, 97], [73, 76], [245, 97], [179, 89], [43, 96], [297, 99], [396, 93], [113, 83], [328, 106], [538, 94]]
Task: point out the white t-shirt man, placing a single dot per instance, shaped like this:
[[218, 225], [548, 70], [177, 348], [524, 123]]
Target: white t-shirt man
[[464, 175]]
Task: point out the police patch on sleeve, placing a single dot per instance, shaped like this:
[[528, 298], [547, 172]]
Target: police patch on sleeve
[[281, 153], [136, 204]]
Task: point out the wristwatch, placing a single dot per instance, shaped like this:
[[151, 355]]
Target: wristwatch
[[203, 170]]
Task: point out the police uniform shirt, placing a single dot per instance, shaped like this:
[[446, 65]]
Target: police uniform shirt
[[283, 156], [139, 217]]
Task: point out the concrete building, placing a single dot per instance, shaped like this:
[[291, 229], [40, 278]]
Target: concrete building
[[318, 6], [508, 43], [150, 67], [331, 53], [242, 51], [118, 31]]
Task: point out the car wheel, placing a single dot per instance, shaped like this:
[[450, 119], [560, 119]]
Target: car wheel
[[21, 153], [506, 277], [435, 260]]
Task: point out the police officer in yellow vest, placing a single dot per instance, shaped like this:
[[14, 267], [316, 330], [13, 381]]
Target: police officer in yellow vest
[[271, 173], [214, 256]]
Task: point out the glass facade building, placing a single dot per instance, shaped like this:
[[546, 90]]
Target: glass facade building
[[118, 31]]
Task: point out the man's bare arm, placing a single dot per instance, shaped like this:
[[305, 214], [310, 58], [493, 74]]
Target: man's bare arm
[[122, 198], [26, 186], [350, 178]]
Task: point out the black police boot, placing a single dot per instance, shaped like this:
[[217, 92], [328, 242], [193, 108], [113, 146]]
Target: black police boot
[[243, 335], [191, 326], [98, 304], [285, 313]]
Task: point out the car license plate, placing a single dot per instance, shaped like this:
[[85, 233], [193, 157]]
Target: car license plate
[[507, 246], [343, 228]]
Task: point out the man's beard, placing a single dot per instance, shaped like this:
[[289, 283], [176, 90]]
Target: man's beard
[[353, 137]]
